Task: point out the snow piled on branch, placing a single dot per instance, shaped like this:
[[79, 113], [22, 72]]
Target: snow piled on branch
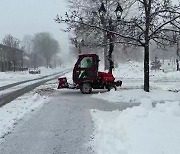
[[138, 130]]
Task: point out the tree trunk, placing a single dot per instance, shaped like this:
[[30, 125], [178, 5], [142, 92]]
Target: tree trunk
[[14, 65], [106, 62], [111, 48], [146, 67], [79, 49], [146, 46], [177, 53], [2, 66], [47, 62], [177, 63]]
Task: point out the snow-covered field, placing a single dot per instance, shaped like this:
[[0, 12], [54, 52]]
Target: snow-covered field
[[164, 86], [135, 70], [138, 130], [136, 95], [142, 129]]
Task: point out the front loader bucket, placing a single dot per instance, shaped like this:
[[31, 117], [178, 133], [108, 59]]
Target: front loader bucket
[[63, 83]]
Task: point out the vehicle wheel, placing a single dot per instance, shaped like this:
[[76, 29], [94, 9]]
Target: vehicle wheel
[[111, 87], [108, 88], [86, 88]]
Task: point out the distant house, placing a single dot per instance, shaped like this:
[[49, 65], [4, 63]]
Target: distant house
[[11, 59]]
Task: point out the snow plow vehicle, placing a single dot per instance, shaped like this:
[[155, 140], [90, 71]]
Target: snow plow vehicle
[[86, 76]]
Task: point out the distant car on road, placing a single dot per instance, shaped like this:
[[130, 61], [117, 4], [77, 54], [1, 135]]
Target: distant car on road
[[34, 71]]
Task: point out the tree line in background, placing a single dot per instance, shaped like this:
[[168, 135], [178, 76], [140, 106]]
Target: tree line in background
[[11, 55], [145, 26], [33, 51]]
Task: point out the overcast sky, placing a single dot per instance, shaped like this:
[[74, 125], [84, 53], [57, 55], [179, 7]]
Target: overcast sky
[[20, 17]]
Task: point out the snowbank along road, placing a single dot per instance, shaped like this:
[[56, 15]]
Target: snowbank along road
[[12, 91], [62, 125]]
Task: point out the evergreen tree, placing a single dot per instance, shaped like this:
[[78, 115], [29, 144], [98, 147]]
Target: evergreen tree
[[155, 64]]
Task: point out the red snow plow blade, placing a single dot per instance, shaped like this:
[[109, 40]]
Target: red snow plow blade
[[63, 83]]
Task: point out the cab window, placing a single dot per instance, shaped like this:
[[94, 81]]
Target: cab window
[[86, 62]]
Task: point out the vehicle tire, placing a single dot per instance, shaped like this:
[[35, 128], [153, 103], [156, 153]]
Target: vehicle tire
[[111, 87], [86, 88], [108, 88]]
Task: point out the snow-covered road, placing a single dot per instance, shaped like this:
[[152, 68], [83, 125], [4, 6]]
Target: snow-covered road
[[66, 121], [62, 125], [13, 92]]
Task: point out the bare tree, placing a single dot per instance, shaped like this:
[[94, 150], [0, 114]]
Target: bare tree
[[175, 44], [13, 55], [27, 43], [11, 41], [91, 37], [46, 46], [150, 22], [178, 56]]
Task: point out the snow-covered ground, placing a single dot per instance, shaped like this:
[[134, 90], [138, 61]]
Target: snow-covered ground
[[135, 70], [15, 88], [14, 111], [11, 113], [136, 95], [142, 129], [12, 77], [138, 130], [164, 86]]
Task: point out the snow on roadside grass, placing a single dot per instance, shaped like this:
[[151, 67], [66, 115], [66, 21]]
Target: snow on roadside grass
[[138, 130], [135, 70], [130, 69], [135, 96], [165, 76], [12, 77], [14, 111]]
